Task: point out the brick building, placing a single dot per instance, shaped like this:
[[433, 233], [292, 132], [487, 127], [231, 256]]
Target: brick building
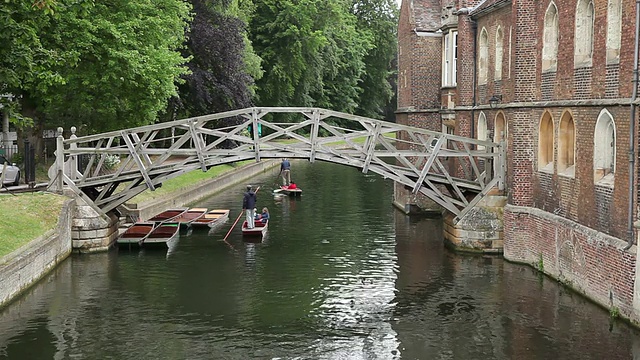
[[554, 79]]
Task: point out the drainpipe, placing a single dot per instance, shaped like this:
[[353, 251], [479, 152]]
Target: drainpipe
[[632, 127]]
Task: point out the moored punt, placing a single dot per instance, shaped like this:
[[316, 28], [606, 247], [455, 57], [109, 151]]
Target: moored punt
[[190, 216], [168, 215], [162, 234], [135, 233], [290, 192], [212, 218], [258, 230]]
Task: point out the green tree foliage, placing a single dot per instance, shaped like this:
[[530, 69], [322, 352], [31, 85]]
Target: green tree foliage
[[24, 61], [112, 64], [223, 64], [335, 54], [379, 19], [125, 62]]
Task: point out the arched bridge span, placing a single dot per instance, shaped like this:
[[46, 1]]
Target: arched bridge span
[[455, 172]]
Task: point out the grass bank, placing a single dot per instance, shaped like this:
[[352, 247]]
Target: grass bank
[[184, 181], [25, 217]]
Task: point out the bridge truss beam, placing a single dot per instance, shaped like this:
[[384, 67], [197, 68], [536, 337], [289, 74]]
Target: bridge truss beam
[[453, 171]]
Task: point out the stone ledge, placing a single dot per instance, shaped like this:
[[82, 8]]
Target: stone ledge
[[204, 189], [28, 264]]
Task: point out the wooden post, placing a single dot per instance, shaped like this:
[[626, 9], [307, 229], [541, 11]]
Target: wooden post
[[59, 161]]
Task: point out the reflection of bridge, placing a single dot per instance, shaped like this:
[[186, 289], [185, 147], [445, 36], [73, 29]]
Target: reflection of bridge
[[453, 171]]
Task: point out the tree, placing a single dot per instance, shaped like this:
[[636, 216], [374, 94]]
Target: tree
[[223, 64], [328, 53], [95, 65], [379, 19], [24, 61], [122, 61]]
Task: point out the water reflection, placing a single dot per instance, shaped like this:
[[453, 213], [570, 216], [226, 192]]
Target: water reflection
[[340, 275]]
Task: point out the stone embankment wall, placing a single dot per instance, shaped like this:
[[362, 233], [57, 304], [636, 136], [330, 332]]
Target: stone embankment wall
[[198, 191], [591, 262], [25, 266]]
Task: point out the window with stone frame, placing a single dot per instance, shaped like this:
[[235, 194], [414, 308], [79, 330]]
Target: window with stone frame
[[545, 143], [583, 37], [499, 54], [604, 149], [566, 145], [482, 129], [614, 31], [483, 57], [550, 39], [449, 57]]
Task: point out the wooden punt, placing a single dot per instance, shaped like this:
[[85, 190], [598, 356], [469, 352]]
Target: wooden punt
[[168, 215], [290, 192], [189, 216], [259, 229], [135, 233], [212, 218], [165, 233]]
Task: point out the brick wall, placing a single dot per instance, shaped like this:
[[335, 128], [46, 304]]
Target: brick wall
[[590, 262], [603, 208]]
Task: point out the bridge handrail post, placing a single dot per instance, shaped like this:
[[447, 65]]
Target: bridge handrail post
[[501, 163], [59, 161], [315, 116], [74, 158], [255, 134]]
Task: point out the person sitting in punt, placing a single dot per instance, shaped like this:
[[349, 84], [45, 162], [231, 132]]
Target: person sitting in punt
[[264, 216], [292, 186]]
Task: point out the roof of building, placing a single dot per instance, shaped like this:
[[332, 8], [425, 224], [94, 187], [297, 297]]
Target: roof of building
[[486, 6]]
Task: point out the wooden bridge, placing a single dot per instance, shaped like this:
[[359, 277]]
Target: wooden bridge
[[111, 168]]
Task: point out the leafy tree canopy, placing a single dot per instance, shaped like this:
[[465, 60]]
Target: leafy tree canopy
[[223, 64], [111, 64]]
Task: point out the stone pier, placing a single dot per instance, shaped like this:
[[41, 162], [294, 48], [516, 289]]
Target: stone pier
[[91, 231], [480, 230]]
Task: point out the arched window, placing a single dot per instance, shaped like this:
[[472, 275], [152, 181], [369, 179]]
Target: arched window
[[545, 143], [498, 65], [482, 129], [500, 128], [499, 133], [566, 145], [604, 148], [614, 30], [550, 39], [583, 36], [483, 61]]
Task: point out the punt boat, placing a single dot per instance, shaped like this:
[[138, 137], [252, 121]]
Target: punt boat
[[259, 229], [212, 218]]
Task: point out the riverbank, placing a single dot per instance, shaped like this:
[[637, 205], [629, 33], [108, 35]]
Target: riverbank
[[24, 265]]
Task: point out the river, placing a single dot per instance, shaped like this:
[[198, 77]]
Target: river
[[341, 274]]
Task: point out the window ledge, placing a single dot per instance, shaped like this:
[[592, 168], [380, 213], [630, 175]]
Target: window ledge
[[607, 180], [547, 168], [569, 172]]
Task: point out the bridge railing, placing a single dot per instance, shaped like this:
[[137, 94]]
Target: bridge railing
[[453, 171]]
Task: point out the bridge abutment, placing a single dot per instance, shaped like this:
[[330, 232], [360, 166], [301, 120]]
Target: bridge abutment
[[90, 231], [411, 204], [480, 230]]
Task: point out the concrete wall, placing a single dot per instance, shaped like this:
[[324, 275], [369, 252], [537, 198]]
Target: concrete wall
[[180, 198], [25, 266]]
